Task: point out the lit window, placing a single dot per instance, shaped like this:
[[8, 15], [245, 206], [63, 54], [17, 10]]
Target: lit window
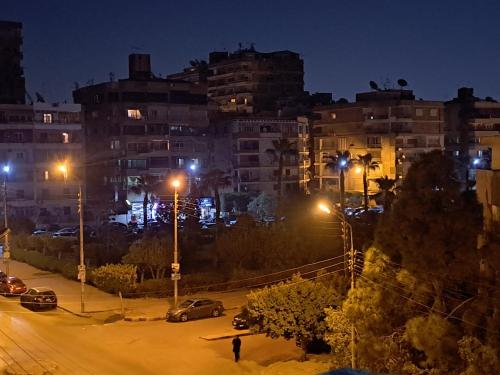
[[333, 115], [65, 137], [457, 153], [47, 118], [434, 112], [46, 175], [115, 145], [134, 114], [419, 112], [233, 100], [246, 100]]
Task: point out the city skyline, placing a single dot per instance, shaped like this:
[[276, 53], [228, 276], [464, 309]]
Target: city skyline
[[422, 43]]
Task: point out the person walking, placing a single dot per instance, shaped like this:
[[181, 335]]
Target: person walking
[[236, 348]]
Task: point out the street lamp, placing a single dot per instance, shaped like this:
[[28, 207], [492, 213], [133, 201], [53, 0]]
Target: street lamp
[[6, 250], [175, 265], [324, 208], [63, 168]]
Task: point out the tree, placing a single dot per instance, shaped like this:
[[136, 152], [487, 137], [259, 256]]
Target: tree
[[386, 185], [214, 180], [263, 205], [150, 254], [281, 148], [292, 309], [340, 162], [365, 161], [146, 185]]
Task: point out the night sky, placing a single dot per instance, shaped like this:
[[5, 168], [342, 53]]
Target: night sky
[[436, 45]]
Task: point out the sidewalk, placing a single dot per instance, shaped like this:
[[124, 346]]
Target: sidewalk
[[102, 305]]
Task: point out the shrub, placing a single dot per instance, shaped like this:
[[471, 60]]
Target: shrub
[[153, 288], [197, 282], [114, 278], [45, 262]]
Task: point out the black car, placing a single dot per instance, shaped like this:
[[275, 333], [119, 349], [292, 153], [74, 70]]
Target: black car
[[39, 298], [243, 320]]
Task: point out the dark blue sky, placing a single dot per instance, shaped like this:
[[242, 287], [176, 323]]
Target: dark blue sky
[[436, 45]]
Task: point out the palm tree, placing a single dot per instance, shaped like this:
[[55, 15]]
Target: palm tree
[[340, 162], [387, 185], [214, 180], [146, 184], [365, 161], [281, 147]]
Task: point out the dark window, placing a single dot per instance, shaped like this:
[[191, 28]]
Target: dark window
[[67, 210], [20, 194]]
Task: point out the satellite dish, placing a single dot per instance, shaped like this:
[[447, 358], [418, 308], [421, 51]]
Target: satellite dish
[[374, 86], [402, 83]]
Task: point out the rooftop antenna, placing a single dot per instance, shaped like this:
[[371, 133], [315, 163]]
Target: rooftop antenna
[[76, 85], [387, 84], [111, 77], [402, 83], [374, 86]]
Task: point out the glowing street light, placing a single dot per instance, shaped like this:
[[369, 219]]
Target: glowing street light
[[323, 207], [6, 252], [342, 163], [63, 168], [358, 170], [192, 167], [476, 161]]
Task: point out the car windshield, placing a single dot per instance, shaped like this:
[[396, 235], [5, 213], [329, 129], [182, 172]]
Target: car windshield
[[186, 303], [47, 293], [15, 280]]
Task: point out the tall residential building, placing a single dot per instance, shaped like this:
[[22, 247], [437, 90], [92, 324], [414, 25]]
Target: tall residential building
[[468, 120], [34, 139], [242, 148], [248, 81], [390, 125], [12, 85], [140, 126]]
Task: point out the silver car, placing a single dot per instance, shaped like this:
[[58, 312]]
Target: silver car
[[195, 309]]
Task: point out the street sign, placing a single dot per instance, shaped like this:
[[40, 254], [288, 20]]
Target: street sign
[[81, 273], [176, 267], [176, 276]]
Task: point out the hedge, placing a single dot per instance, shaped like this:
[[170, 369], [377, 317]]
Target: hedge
[[45, 262]]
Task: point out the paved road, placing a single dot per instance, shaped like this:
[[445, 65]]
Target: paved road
[[40, 341]]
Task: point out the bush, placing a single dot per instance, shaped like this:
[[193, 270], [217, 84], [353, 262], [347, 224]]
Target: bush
[[153, 288], [114, 278], [45, 262]]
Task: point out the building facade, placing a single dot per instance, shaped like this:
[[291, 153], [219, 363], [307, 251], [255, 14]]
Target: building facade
[[140, 126], [468, 120], [34, 140], [12, 83], [243, 148], [390, 125], [248, 81]]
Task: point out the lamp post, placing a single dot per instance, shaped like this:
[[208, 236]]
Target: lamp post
[[6, 250], [326, 209], [81, 268], [175, 266]]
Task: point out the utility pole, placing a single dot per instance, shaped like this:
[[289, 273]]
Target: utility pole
[[81, 268], [353, 286], [6, 250], [175, 266]]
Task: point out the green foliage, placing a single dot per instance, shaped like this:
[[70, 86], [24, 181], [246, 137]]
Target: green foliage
[[479, 359], [338, 337], [294, 309], [152, 288], [152, 254], [114, 278], [263, 205], [45, 262]]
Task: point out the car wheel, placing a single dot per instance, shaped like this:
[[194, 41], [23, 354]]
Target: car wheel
[[215, 313], [184, 318]]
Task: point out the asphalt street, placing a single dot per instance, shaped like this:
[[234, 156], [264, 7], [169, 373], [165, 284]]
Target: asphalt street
[[58, 342]]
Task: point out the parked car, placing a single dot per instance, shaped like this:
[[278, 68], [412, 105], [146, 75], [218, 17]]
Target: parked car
[[39, 298], [3, 275], [243, 320], [41, 232], [195, 309], [66, 232], [12, 286]]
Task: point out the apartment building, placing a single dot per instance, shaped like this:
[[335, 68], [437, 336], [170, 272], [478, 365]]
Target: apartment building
[[12, 83], [391, 125], [247, 81], [34, 139], [140, 126], [468, 120], [241, 148]]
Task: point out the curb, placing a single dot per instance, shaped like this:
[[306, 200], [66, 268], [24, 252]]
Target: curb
[[143, 318], [74, 313], [227, 336]]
